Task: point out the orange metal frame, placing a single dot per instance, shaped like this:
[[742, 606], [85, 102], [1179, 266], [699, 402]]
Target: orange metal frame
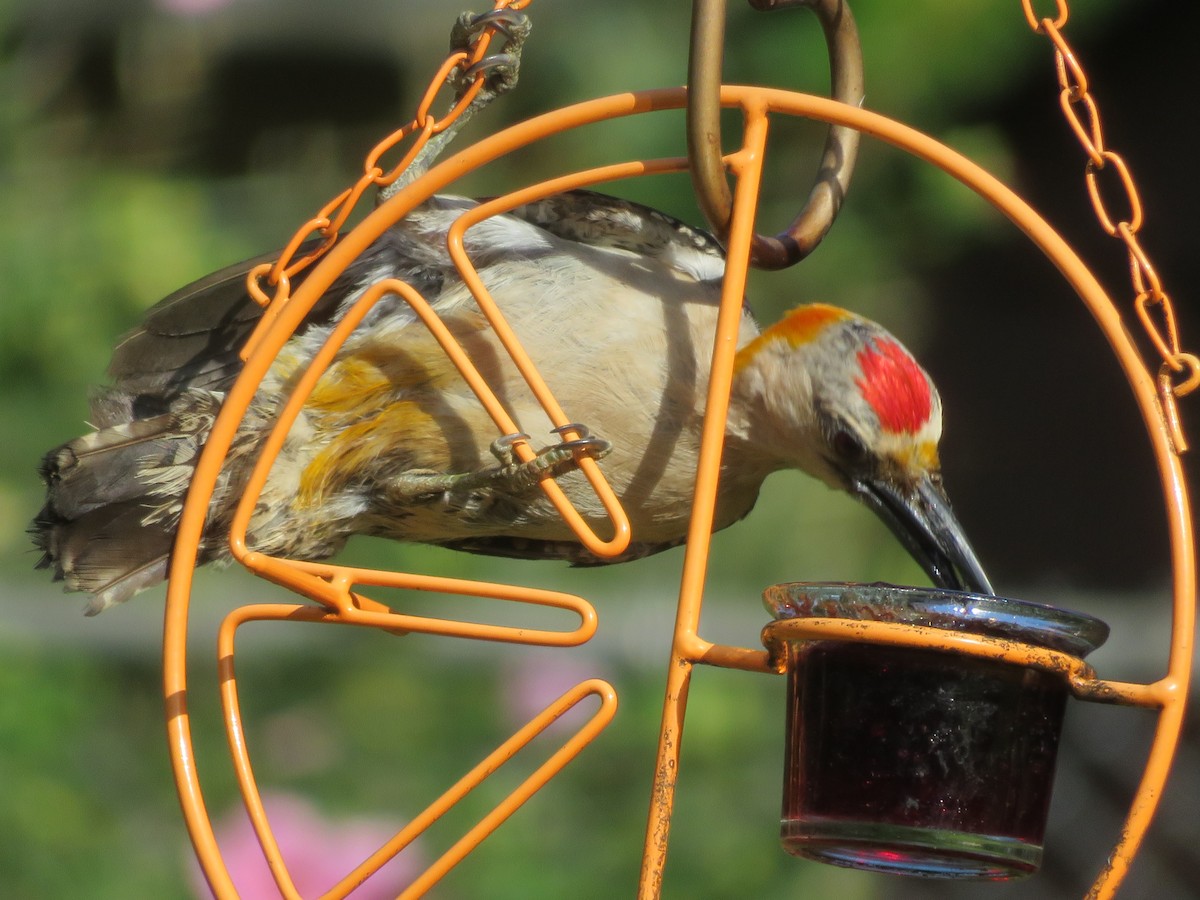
[[337, 588]]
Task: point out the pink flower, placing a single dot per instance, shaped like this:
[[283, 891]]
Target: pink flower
[[535, 681], [192, 7], [318, 852]]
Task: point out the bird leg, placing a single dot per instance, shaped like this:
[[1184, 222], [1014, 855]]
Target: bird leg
[[511, 475], [502, 69]]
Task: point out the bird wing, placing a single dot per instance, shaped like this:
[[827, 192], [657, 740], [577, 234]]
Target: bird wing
[[191, 338], [599, 220]]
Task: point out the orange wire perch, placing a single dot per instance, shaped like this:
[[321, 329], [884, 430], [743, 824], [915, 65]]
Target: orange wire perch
[[336, 588]]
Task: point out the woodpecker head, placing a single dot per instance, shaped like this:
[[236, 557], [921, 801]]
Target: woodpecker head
[[838, 397]]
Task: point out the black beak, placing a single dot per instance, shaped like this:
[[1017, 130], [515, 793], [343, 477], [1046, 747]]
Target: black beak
[[924, 523]]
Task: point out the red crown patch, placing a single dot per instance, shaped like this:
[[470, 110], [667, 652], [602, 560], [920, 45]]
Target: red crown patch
[[894, 386]]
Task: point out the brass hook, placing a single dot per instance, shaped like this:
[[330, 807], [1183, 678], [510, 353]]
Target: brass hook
[[704, 128]]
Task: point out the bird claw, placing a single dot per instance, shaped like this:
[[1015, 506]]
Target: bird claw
[[512, 23], [502, 448], [550, 462], [512, 475], [586, 444], [566, 454], [502, 69], [503, 66]]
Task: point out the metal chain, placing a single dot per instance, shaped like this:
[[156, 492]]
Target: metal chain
[[465, 71], [1179, 373]]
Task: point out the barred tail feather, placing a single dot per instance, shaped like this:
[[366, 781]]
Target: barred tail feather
[[107, 552], [113, 499]]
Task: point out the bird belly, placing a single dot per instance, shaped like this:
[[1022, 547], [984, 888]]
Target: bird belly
[[630, 363]]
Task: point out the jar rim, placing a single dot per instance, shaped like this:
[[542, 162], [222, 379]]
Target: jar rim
[[1033, 623]]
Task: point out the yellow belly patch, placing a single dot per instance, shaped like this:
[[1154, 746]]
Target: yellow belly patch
[[354, 451]]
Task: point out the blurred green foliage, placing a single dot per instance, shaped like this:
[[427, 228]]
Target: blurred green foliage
[[104, 214]]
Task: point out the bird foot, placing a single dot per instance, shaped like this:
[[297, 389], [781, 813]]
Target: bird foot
[[511, 475], [512, 27], [502, 67], [550, 461]]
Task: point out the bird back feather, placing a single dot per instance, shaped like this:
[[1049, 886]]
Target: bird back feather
[[114, 495]]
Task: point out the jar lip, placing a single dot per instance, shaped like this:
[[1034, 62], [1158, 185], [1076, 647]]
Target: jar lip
[[985, 614]]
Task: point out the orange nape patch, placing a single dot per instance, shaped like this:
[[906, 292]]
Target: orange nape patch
[[800, 326], [894, 386]]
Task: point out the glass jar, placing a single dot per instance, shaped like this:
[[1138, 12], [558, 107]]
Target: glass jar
[[922, 761]]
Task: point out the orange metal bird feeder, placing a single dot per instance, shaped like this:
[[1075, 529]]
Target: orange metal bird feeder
[[341, 593]]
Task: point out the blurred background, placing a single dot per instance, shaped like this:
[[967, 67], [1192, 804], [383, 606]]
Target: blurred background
[[144, 143]]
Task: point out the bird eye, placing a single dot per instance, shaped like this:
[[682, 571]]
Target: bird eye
[[847, 447]]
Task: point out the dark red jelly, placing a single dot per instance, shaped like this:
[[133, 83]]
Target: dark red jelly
[[917, 761]]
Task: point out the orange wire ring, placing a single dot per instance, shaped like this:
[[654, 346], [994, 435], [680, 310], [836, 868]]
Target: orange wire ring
[[333, 585], [336, 587]]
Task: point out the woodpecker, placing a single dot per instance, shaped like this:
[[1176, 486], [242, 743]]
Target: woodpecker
[[617, 305]]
